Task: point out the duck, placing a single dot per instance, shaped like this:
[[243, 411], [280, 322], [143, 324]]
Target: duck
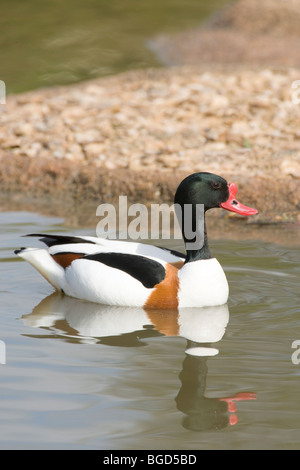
[[133, 274]]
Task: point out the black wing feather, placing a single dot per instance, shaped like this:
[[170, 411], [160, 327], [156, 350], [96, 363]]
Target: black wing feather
[[51, 240], [173, 252], [145, 270]]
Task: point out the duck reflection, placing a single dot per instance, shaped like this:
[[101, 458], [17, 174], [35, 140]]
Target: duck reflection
[[127, 326], [204, 413], [98, 322]]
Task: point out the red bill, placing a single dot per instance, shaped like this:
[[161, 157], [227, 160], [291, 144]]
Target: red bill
[[235, 206]]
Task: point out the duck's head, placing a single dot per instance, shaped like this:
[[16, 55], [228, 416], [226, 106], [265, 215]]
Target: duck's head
[[212, 191]]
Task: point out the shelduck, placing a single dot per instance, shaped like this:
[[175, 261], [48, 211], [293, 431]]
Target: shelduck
[[114, 272]]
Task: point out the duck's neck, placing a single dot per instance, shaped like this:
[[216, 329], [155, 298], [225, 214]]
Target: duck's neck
[[191, 218], [199, 254]]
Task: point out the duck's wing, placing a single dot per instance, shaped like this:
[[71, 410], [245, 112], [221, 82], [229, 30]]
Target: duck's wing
[[122, 279], [85, 245], [106, 271], [58, 240], [148, 271]]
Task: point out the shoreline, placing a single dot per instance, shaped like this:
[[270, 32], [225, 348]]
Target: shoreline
[[221, 225], [141, 132]]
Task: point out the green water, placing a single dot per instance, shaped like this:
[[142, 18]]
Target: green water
[[82, 376], [47, 43]]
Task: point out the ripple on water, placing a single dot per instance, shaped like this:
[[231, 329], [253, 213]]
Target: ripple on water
[[83, 376]]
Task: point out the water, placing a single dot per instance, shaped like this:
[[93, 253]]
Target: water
[[55, 43], [82, 376]]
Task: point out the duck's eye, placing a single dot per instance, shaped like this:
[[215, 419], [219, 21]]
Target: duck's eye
[[216, 185]]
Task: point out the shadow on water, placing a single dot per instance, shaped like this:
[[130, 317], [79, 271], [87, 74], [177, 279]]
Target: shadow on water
[[131, 327]]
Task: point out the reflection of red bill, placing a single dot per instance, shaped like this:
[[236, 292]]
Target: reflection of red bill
[[233, 419], [235, 206]]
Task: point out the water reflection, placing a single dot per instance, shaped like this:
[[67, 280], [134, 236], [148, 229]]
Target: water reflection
[[126, 326], [96, 323], [203, 413]]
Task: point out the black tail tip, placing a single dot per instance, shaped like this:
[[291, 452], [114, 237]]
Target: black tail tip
[[16, 252]]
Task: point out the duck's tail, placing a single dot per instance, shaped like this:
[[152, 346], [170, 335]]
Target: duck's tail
[[43, 262]]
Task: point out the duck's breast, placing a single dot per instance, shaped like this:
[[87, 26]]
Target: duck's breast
[[202, 284]]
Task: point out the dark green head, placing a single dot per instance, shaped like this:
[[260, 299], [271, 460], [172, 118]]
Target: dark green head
[[202, 188], [194, 196]]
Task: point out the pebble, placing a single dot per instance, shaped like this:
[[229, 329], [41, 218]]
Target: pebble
[[177, 119]]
